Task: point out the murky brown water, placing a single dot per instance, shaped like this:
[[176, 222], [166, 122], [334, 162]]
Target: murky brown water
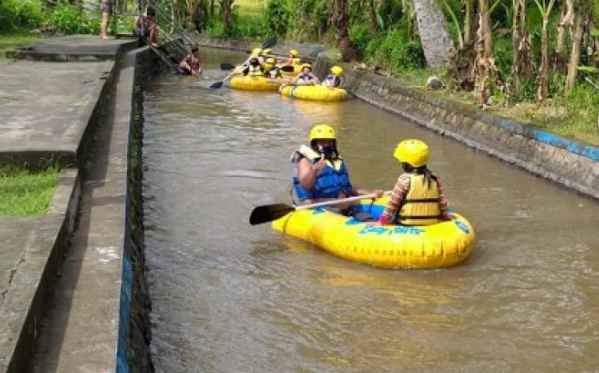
[[228, 297]]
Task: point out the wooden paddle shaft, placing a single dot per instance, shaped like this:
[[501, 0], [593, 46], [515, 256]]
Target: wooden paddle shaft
[[338, 201]]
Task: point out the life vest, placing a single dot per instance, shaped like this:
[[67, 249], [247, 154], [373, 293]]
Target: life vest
[[294, 61], [331, 81], [332, 179], [255, 70], [305, 77], [421, 205]]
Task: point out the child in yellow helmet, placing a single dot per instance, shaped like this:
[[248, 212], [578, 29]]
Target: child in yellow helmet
[[417, 197], [333, 80], [293, 58], [271, 70]]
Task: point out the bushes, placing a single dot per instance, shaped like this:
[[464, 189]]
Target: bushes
[[395, 50], [276, 18], [20, 15], [69, 19]]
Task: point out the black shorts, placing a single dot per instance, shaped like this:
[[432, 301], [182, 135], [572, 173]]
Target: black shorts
[[106, 6]]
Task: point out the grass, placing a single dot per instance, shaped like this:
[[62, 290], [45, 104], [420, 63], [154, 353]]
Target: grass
[[575, 116], [26, 193], [12, 40]]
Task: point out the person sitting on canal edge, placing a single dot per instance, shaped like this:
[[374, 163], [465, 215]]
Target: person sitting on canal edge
[[333, 80], [106, 9], [190, 65], [271, 70], [417, 197], [147, 28], [321, 173], [254, 68], [306, 77]]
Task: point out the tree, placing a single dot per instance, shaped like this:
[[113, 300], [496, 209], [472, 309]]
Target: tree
[[545, 8], [521, 62], [432, 28], [484, 66], [579, 21], [227, 12], [340, 20]]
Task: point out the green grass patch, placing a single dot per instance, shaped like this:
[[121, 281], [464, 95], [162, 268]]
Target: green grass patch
[[574, 116], [10, 41], [26, 193]]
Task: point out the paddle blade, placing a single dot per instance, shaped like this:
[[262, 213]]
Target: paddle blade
[[288, 68], [269, 42], [226, 66], [263, 214], [216, 85]]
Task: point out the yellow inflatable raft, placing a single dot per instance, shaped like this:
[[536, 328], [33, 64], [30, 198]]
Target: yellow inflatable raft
[[393, 246], [254, 83], [314, 92]]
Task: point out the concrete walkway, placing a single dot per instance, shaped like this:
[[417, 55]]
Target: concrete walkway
[[47, 111], [46, 108]]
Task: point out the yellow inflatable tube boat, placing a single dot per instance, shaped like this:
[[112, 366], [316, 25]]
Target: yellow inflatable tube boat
[[255, 83], [393, 246], [314, 92]]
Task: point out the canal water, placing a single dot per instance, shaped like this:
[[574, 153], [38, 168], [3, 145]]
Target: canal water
[[230, 297]]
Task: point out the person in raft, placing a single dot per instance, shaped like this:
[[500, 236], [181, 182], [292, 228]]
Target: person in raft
[[293, 58], [333, 80], [190, 65], [254, 68], [321, 174], [306, 77], [417, 197], [271, 70], [147, 28]]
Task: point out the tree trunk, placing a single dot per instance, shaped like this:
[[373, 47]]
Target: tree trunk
[[575, 53], [468, 12], [484, 69], [485, 28], [521, 61], [543, 89], [340, 20], [432, 28], [227, 16], [374, 22]]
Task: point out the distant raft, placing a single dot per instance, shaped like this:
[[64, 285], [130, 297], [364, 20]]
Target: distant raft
[[392, 246], [255, 83], [314, 92]]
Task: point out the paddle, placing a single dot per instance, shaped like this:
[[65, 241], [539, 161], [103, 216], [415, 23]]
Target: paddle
[[226, 66], [267, 44], [266, 213]]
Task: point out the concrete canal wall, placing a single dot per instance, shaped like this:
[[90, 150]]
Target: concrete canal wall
[[76, 299]]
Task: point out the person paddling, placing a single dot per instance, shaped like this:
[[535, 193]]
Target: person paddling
[[417, 198], [306, 77], [190, 65], [271, 70], [321, 173], [333, 80], [254, 68]]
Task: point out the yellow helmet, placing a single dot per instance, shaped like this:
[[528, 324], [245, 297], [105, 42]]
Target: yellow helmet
[[270, 61], [294, 53], [306, 65], [256, 52], [337, 70], [414, 152], [322, 132], [266, 51]]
